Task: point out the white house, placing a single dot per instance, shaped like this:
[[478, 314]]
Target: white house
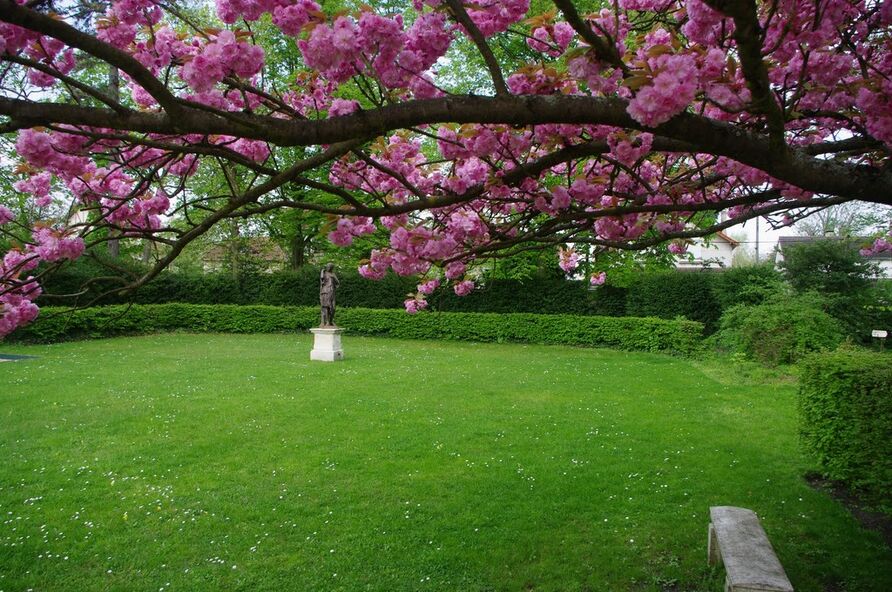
[[712, 252]]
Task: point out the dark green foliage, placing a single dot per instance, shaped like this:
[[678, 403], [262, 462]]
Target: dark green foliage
[[746, 285], [670, 294], [829, 267], [834, 268], [628, 333], [780, 331], [301, 288], [845, 409], [548, 296]]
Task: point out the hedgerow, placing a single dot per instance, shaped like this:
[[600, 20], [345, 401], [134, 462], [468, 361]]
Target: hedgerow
[[845, 408], [628, 333]]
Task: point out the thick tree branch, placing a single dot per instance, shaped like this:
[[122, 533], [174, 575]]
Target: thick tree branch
[[603, 49], [747, 34], [697, 132], [14, 13], [495, 71]]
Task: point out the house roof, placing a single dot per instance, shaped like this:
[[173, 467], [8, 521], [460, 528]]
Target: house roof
[[722, 235]]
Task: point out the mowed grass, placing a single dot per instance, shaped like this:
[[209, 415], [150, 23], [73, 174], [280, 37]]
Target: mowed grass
[[222, 462]]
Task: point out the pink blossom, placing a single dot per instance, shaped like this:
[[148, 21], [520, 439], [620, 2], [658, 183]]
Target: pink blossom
[[668, 94], [225, 55], [6, 215], [598, 279], [455, 270], [13, 316], [37, 185], [414, 305], [292, 18], [427, 288], [880, 245], [678, 247], [463, 288], [493, 16], [568, 260], [54, 245], [342, 107]]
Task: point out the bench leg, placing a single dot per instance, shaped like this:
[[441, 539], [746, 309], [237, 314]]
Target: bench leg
[[714, 555]]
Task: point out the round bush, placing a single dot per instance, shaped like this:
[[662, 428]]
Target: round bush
[[781, 331]]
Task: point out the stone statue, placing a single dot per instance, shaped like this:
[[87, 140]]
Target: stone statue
[[328, 283]]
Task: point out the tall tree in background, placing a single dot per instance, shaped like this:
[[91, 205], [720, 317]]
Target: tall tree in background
[[620, 128], [853, 219]]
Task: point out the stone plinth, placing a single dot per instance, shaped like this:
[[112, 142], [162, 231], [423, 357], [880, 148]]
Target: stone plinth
[[327, 344]]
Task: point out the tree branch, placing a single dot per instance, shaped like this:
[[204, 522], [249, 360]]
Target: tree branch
[[495, 72]]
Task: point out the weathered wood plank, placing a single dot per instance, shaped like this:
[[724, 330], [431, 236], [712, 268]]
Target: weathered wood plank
[[750, 562]]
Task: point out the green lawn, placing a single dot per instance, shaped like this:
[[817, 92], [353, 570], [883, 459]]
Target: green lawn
[[217, 462]]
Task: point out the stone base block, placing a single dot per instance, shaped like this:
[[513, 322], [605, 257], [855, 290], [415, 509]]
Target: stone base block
[[327, 344]]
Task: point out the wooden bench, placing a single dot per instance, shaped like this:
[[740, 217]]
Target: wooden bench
[[737, 539]]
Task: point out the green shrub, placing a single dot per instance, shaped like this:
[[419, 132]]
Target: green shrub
[[828, 266], [670, 294], [629, 333], [545, 295], [781, 331], [752, 285], [845, 415]]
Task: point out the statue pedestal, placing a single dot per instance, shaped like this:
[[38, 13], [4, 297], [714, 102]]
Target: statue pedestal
[[327, 344]]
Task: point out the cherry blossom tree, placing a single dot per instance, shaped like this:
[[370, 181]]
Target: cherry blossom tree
[[619, 127]]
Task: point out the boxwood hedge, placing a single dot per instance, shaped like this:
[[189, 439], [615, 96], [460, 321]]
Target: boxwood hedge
[[845, 410], [629, 333]]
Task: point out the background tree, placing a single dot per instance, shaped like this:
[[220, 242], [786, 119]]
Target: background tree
[[854, 219], [834, 269]]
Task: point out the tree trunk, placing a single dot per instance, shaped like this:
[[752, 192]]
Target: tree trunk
[[234, 259], [298, 256]]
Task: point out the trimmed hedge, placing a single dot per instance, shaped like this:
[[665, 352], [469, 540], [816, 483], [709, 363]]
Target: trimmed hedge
[[629, 333], [671, 293], [845, 414], [301, 288], [667, 294]]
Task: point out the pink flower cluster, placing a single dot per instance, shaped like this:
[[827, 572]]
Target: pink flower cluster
[[291, 16], [349, 228], [414, 305], [568, 260], [223, 57], [463, 288], [672, 87], [427, 288], [379, 46], [17, 294], [628, 148], [495, 16], [6, 215], [678, 247], [882, 244], [551, 40], [52, 53], [38, 186], [598, 279], [55, 245], [123, 18]]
